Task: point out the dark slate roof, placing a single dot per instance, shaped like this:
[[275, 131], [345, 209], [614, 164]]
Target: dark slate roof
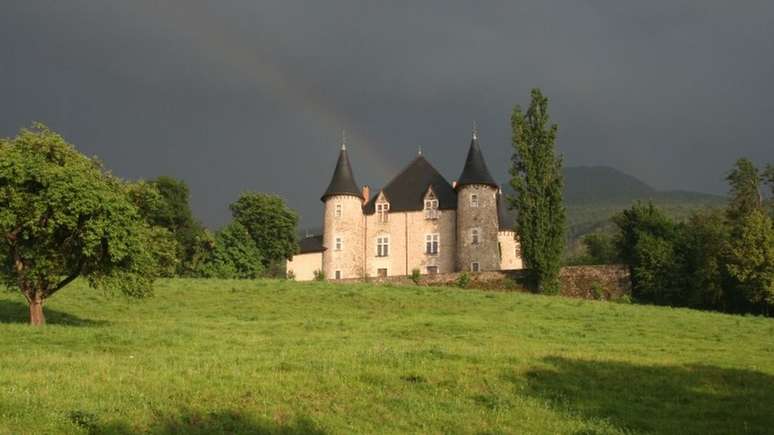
[[475, 170], [406, 192], [343, 181], [506, 218], [310, 244]]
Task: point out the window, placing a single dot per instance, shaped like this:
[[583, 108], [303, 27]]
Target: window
[[500, 250], [338, 274], [474, 236], [383, 246], [339, 243], [431, 244], [338, 210], [432, 270], [381, 273], [382, 210], [431, 209], [474, 199], [475, 267]]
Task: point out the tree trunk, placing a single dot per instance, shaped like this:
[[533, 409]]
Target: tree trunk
[[36, 312]]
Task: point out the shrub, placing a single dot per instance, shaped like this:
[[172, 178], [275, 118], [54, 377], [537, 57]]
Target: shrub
[[291, 275], [463, 280], [415, 276], [319, 275]]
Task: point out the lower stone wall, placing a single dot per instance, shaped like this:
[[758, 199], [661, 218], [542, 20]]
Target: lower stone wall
[[588, 282]]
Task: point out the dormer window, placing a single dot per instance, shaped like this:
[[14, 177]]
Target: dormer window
[[382, 211], [431, 205]]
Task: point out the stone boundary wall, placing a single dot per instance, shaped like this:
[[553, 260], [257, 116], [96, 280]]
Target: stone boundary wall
[[587, 282]]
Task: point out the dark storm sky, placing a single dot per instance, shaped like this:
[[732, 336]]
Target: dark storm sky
[[252, 95]]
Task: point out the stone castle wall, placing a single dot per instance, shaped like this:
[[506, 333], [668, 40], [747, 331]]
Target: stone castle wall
[[350, 228], [510, 251], [484, 217], [602, 282]]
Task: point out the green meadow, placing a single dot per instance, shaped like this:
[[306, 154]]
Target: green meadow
[[209, 356]]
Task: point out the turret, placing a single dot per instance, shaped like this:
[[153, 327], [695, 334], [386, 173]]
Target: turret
[[477, 219], [343, 223]]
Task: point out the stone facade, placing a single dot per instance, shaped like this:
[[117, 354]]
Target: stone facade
[[510, 251], [478, 228], [343, 237], [407, 233], [303, 266]]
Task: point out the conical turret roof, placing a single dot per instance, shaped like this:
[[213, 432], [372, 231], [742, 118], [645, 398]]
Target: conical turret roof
[[475, 170], [343, 181]]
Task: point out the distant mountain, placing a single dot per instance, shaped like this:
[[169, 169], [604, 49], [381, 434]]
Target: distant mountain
[[594, 194], [601, 183]]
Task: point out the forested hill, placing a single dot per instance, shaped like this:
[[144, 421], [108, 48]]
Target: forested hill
[[593, 194]]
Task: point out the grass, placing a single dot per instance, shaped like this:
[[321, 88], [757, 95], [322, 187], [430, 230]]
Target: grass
[[283, 357]]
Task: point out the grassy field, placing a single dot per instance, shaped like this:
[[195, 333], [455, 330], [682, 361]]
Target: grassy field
[[284, 357]]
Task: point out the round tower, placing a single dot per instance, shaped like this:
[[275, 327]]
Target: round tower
[[477, 216], [343, 223]]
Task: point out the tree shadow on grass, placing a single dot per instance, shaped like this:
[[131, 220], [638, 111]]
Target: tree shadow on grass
[[17, 312], [196, 423], [684, 399]]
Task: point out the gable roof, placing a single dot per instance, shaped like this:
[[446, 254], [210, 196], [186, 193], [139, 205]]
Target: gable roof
[[343, 180], [406, 192], [475, 170], [311, 244]]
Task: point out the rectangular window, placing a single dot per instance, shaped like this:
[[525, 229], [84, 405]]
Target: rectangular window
[[382, 273], [474, 199], [474, 236], [382, 210], [338, 210], [432, 270], [382, 246], [338, 274], [475, 267], [431, 244], [339, 243], [500, 250]]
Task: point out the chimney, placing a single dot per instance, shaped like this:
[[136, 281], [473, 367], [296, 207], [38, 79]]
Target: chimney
[[366, 193], [454, 184]]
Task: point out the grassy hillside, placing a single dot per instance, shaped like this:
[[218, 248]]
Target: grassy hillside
[[285, 357]]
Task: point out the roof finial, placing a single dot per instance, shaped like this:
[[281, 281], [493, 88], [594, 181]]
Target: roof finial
[[420, 150], [343, 139], [475, 131]]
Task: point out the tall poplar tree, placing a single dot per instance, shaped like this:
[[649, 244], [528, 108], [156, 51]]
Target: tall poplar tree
[[536, 178]]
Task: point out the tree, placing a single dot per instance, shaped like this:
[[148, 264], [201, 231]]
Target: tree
[[234, 255], [164, 202], [751, 258], [271, 224], [701, 259], [600, 248], [645, 243], [744, 180], [536, 178], [63, 216]]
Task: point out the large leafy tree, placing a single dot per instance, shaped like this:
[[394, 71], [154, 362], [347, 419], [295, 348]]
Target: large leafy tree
[[234, 255], [646, 243], [63, 216], [536, 178], [271, 224], [164, 203]]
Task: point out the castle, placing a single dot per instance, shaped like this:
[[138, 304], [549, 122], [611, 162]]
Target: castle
[[417, 221]]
